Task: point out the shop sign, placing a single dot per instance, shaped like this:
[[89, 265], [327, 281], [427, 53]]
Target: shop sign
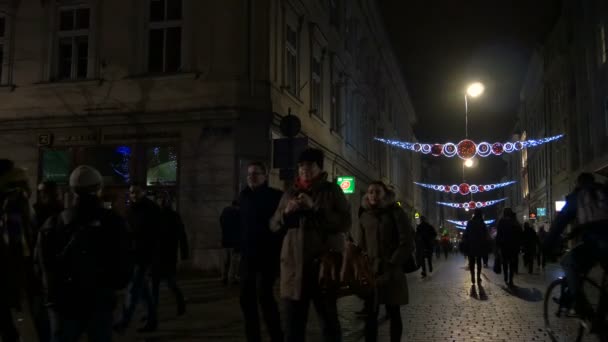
[[347, 184], [559, 205], [541, 212], [532, 216]]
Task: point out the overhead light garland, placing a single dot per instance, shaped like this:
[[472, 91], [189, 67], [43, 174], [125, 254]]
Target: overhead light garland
[[467, 149], [464, 223], [472, 204], [464, 188]]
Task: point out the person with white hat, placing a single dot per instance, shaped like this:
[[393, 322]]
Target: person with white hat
[[85, 259]]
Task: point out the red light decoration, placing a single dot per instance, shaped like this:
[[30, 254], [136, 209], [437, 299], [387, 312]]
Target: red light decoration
[[436, 150], [463, 188], [467, 149], [497, 149]]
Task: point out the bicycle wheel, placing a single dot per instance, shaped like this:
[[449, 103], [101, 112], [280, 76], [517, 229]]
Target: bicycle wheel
[[559, 324]]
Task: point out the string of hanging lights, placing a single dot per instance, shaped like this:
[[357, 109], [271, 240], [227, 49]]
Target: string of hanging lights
[[471, 204], [464, 188]]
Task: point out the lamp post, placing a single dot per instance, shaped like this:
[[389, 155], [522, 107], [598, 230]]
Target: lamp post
[[473, 90]]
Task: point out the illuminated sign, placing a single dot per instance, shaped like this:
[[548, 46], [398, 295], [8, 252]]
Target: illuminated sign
[[417, 215], [347, 184], [559, 205], [532, 216], [541, 211]]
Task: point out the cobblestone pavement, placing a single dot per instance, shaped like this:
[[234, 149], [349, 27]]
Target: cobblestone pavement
[[442, 308]]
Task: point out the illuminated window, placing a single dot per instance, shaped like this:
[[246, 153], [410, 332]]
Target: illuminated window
[[161, 165]]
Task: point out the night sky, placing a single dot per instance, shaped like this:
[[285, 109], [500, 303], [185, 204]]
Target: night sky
[[444, 46]]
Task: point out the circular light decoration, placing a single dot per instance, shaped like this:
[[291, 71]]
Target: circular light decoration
[[471, 204], [484, 149], [464, 188], [436, 150], [497, 149], [449, 150], [466, 149]]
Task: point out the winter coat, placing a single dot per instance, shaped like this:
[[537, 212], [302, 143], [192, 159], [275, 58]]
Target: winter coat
[[476, 238], [388, 239], [143, 217], [260, 248], [172, 236], [85, 258], [310, 233], [530, 241], [508, 236], [230, 222], [425, 238]]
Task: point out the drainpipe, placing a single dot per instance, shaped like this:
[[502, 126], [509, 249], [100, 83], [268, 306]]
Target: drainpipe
[[250, 50]]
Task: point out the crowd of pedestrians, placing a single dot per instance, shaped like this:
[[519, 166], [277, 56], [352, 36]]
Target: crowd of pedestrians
[[69, 264]]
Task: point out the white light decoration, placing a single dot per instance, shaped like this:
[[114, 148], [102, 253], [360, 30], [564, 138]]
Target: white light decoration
[[465, 188], [464, 223], [471, 204], [467, 149]]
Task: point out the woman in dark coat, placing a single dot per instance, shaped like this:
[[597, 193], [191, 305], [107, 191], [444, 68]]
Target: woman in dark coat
[[477, 243], [172, 236], [388, 239]]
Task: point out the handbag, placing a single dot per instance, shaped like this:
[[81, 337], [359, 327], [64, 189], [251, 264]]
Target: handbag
[[346, 273]]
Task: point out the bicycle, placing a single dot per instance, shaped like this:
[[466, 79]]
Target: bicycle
[[561, 324]]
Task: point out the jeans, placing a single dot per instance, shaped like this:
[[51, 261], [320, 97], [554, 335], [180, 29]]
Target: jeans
[[475, 260], [509, 265], [138, 287], [296, 312], [371, 322], [258, 287], [423, 258], [97, 325], [172, 285]]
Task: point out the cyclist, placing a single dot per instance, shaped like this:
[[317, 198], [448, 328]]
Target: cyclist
[[588, 204]]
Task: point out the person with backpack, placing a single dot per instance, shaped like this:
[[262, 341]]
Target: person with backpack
[[477, 243], [588, 204], [172, 237], [388, 239], [230, 222], [84, 255], [508, 243], [425, 244]]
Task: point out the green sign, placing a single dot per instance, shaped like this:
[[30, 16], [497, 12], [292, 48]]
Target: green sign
[[56, 166], [347, 184]]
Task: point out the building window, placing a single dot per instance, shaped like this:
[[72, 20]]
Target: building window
[[161, 165], [316, 86], [606, 116], [336, 107], [601, 44], [291, 63], [165, 36], [73, 37]]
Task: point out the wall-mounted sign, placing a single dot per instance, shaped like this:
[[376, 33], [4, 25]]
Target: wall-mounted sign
[[559, 205], [417, 215], [532, 216], [347, 184], [541, 212]]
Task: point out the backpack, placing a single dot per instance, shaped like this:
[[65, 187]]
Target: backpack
[[85, 257]]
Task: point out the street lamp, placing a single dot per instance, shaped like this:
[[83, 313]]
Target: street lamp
[[468, 163], [473, 90]]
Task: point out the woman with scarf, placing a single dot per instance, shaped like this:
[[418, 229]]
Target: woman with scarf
[[388, 239], [314, 215]]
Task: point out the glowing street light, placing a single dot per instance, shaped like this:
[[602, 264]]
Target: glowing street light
[[475, 89], [468, 163]]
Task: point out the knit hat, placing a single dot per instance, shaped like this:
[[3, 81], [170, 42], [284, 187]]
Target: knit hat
[[312, 155], [85, 176]]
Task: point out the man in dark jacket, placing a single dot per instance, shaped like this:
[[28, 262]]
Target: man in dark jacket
[[143, 217], [260, 254], [85, 259], [541, 257], [508, 241], [171, 237], [530, 244], [230, 222], [425, 244]]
